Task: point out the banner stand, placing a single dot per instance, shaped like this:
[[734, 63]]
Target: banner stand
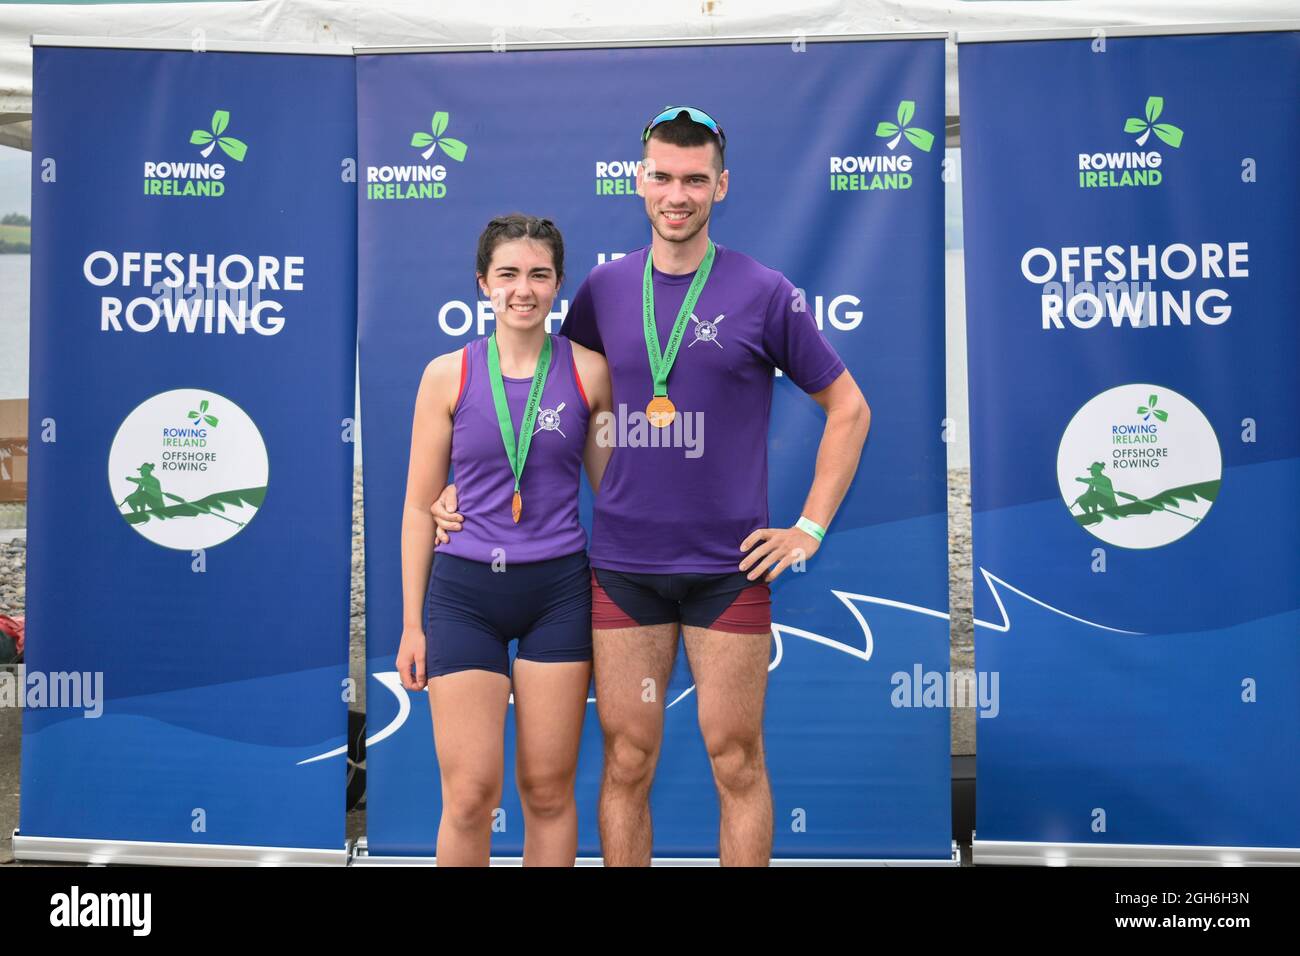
[[1088, 33], [1052, 853], [125, 852], [239, 814], [174, 45], [143, 853], [863, 81], [541, 45], [361, 857], [1016, 853]]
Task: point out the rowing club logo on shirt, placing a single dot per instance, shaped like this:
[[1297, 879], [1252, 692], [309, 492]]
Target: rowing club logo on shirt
[[706, 331], [548, 419]]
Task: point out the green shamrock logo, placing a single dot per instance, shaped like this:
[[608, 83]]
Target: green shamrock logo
[[920, 138], [234, 148], [1166, 131], [201, 413], [454, 148], [1149, 409]]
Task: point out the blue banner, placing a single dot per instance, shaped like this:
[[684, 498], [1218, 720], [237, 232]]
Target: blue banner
[[192, 357], [1130, 271], [835, 152]]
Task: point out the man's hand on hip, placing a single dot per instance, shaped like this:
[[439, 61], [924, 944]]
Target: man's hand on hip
[[777, 549], [445, 516]]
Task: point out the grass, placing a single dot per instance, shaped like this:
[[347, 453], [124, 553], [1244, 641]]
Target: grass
[[16, 234]]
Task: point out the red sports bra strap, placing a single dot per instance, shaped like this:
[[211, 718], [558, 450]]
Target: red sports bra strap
[[577, 379], [464, 372]]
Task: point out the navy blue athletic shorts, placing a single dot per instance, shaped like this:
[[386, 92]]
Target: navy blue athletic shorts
[[727, 602], [472, 613]]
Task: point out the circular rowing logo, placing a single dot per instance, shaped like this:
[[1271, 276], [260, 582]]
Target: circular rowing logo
[[1139, 466], [705, 330], [548, 419], [187, 469]]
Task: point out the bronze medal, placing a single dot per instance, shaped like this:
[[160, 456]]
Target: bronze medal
[[661, 411], [517, 453]]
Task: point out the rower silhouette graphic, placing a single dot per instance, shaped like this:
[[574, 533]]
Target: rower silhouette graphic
[[1100, 495], [149, 497], [148, 494]]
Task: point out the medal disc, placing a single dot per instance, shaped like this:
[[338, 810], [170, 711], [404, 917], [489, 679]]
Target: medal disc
[[516, 506], [661, 411]]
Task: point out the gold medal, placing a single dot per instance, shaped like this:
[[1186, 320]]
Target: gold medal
[[516, 506], [661, 411]]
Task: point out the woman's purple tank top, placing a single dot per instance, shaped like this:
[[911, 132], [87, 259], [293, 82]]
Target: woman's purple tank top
[[548, 527]]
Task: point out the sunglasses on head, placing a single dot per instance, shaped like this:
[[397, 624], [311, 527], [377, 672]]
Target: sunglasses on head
[[698, 116]]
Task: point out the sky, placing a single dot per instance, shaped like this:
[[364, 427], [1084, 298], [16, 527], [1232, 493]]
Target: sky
[[15, 181]]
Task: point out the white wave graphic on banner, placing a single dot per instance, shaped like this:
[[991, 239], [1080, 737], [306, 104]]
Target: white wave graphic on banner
[[850, 600]]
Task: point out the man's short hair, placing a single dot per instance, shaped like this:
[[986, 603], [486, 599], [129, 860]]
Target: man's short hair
[[684, 131]]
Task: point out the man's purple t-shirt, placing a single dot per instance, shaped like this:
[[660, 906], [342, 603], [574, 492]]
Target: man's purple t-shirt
[[687, 508]]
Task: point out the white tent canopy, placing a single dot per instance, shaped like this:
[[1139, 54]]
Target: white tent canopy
[[396, 22]]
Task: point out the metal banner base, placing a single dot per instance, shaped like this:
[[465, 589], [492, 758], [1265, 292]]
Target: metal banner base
[[1017, 853], [361, 857], [144, 853]]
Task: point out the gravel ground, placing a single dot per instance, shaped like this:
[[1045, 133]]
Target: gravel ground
[[961, 633], [13, 576], [13, 600]]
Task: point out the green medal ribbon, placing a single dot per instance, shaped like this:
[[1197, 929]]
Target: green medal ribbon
[[662, 364], [517, 455]]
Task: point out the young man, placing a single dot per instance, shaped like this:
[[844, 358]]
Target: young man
[[679, 538]]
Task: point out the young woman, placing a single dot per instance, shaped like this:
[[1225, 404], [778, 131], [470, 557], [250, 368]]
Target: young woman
[[508, 413]]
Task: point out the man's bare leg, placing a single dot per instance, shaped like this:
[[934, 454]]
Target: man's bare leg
[[730, 673], [632, 665]]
